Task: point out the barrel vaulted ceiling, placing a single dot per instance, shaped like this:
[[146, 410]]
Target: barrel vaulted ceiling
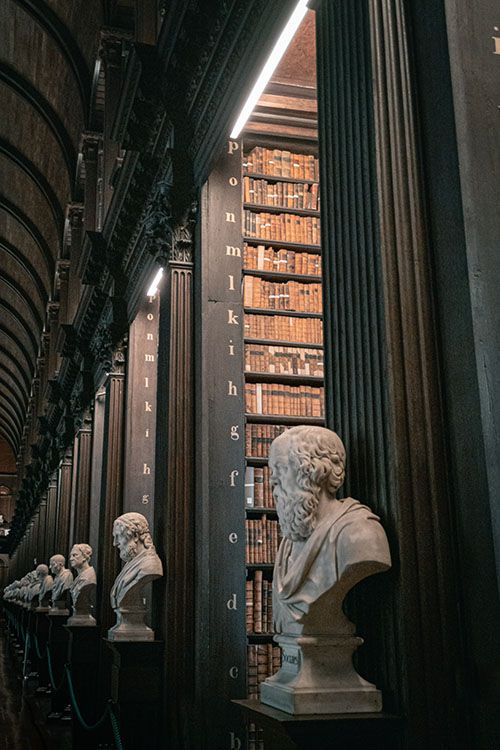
[[47, 55]]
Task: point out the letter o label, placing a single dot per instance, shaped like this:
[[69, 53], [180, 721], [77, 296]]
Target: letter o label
[[233, 181]]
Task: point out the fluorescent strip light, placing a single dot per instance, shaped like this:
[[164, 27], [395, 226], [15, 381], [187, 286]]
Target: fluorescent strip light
[[284, 40], [154, 284]]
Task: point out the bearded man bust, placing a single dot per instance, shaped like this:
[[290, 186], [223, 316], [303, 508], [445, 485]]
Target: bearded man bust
[[328, 546], [142, 565]]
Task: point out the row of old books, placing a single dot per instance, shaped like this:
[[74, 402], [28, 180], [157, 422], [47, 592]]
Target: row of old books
[[258, 492], [262, 540], [282, 227], [282, 163], [258, 438], [283, 360], [281, 194], [284, 328], [262, 258], [288, 295], [255, 737], [259, 604], [263, 661], [286, 400]]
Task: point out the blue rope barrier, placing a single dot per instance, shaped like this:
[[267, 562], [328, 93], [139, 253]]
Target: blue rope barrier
[[55, 687], [108, 711]]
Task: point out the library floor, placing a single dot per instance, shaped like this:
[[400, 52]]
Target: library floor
[[21, 718]]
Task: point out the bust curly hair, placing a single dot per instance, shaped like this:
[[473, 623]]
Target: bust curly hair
[[316, 457], [134, 525]]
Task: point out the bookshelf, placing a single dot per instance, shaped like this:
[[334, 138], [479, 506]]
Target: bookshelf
[[260, 372], [283, 356]]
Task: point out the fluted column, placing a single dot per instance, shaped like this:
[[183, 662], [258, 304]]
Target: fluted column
[[52, 517], [382, 358], [111, 483], [43, 550], [174, 507], [81, 519], [64, 503]]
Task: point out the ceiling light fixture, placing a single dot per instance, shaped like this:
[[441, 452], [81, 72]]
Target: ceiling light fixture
[[284, 40], [154, 284]]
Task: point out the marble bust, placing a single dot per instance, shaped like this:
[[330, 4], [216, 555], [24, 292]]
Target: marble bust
[[142, 565], [33, 589], [46, 583], [83, 588], [63, 578], [328, 546]]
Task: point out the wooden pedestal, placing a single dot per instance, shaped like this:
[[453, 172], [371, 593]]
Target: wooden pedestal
[[322, 732], [83, 658], [58, 648], [40, 631], [136, 688]]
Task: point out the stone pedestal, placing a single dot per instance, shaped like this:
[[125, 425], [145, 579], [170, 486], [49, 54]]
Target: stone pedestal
[[58, 647], [83, 607], [317, 677], [136, 687], [130, 616], [283, 731], [83, 658]]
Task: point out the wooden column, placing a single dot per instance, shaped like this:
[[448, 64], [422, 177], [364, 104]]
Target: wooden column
[[91, 142], [111, 56], [382, 360], [140, 428], [44, 552], [81, 519], [64, 503], [111, 484], [174, 507], [52, 517]]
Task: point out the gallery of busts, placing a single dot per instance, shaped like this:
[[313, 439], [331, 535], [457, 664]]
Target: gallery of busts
[[250, 374]]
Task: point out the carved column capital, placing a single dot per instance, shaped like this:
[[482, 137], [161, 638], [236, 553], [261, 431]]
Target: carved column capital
[[181, 250]]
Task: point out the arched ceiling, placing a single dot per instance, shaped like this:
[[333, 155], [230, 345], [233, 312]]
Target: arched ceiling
[[47, 53]]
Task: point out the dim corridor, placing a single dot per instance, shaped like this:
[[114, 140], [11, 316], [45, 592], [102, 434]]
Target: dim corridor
[[21, 717]]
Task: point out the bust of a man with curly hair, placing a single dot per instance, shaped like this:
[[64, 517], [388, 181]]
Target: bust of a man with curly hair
[[132, 537], [328, 545]]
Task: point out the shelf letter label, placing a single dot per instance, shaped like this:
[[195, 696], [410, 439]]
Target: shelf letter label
[[149, 357], [150, 316], [232, 390], [235, 473], [145, 499], [232, 250], [149, 337], [233, 672], [231, 348], [233, 537], [235, 742], [147, 406], [233, 181], [233, 146], [231, 603], [146, 469], [231, 282], [230, 217], [234, 432], [232, 318]]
